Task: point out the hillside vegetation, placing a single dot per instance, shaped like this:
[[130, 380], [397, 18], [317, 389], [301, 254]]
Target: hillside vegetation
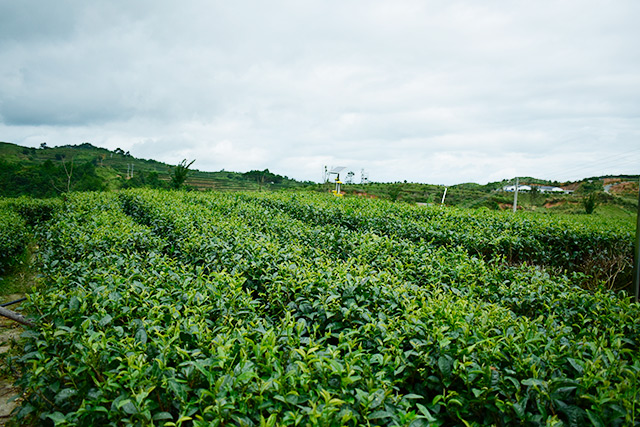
[[619, 200], [47, 172]]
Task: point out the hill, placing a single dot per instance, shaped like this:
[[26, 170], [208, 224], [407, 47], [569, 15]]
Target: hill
[[614, 195], [49, 171]]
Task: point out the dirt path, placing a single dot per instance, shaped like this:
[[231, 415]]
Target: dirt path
[[9, 330]]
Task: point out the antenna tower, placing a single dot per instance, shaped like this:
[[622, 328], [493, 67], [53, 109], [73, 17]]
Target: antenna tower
[[364, 177]]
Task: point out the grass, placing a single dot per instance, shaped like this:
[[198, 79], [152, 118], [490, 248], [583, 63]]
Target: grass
[[21, 276], [614, 211]]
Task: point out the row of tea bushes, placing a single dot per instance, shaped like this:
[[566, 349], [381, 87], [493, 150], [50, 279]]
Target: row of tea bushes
[[602, 249], [162, 308], [17, 217], [14, 237]]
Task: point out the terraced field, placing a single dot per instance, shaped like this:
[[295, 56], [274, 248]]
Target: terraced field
[[238, 309]]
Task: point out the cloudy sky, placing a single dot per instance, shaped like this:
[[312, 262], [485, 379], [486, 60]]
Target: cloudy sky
[[440, 92]]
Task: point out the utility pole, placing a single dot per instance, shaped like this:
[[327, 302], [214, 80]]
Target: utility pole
[[515, 197], [444, 195], [636, 266]]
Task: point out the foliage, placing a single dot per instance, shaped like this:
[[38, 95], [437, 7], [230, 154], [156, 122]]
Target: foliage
[[590, 186], [589, 202], [17, 217], [179, 173], [263, 176], [34, 211], [13, 237], [394, 191], [39, 172], [170, 308], [569, 243], [47, 179]]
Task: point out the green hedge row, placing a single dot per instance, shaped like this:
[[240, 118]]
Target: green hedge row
[[600, 249], [14, 237], [161, 308]]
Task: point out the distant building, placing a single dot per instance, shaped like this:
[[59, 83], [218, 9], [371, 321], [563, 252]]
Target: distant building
[[541, 189], [548, 189], [512, 188]]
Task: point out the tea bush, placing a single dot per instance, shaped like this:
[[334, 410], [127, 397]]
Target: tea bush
[[169, 308], [601, 249], [14, 237], [34, 211]]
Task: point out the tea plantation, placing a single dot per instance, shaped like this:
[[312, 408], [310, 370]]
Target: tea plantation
[[235, 309]]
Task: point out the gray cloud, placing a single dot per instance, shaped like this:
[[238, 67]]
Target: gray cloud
[[433, 91]]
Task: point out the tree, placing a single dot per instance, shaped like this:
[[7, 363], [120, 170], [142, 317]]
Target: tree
[[180, 173], [590, 202], [394, 191], [153, 180], [534, 194], [68, 171]]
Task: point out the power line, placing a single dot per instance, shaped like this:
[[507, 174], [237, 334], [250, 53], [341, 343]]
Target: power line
[[615, 160], [602, 162]]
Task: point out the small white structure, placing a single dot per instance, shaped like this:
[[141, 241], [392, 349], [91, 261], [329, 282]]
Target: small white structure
[[512, 188], [548, 189], [541, 188]]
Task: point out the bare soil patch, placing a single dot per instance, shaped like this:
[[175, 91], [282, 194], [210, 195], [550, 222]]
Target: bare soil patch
[[624, 187], [9, 331]]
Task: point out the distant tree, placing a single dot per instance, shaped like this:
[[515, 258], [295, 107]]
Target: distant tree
[[86, 178], [263, 176], [590, 202], [590, 186], [394, 191], [68, 172], [180, 173], [534, 194], [260, 178], [43, 145], [153, 180]]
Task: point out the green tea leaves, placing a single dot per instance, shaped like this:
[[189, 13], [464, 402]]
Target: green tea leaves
[[173, 308]]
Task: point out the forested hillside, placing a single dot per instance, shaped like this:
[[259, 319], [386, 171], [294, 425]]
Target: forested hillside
[[47, 172]]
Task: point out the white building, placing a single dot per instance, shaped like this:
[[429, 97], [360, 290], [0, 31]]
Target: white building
[[548, 189], [512, 188]]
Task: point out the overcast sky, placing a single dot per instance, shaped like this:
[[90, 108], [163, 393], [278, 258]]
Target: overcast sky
[[440, 92]]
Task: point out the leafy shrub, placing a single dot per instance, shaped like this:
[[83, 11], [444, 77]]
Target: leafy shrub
[[14, 236], [35, 211], [589, 202], [168, 308]]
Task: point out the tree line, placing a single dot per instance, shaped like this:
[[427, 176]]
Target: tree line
[[52, 178]]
